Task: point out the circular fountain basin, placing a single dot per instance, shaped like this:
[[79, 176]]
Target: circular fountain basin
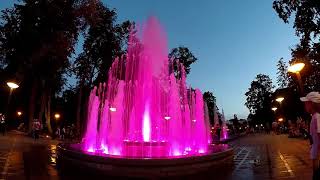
[[69, 156]]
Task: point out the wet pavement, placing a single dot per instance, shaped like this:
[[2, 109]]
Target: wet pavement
[[271, 157], [257, 156]]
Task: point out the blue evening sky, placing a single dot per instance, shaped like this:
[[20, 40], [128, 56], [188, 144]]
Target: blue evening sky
[[233, 40]]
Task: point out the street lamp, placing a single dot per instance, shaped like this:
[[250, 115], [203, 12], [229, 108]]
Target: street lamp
[[12, 86], [280, 99], [296, 68], [274, 109], [280, 119], [19, 113], [57, 116]]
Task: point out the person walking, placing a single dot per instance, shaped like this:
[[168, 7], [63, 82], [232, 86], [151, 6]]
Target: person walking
[[2, 124], [58, 134], [312, 106], [63, 133]]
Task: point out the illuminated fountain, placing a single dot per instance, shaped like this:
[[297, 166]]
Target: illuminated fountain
[[143, 111]]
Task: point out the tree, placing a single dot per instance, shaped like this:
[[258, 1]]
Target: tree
[[306, 23], [184, 56], [37, 39], [104, 41], [210, 99], [283, 78], [259, 97]]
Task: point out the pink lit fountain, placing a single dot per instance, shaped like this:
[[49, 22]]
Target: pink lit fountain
[[143, 111]]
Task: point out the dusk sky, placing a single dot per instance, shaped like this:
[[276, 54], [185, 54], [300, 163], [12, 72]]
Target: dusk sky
[[233, 41]]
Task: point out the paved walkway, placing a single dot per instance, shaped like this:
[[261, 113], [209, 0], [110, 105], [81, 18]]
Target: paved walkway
[[260, 157], [23, 158], [271, 157]]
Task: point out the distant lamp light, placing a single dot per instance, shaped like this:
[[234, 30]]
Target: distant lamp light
[[57, 116], [194, 120], [19, 113], [280, 99], [296, 68], [12, 85], [167, 118], [274, 109], [113, 109], [280, 119]]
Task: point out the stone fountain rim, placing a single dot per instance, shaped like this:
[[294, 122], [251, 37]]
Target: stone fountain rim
[[70, 153]]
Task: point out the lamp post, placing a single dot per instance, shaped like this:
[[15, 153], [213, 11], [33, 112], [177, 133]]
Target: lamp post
[[12, 86], [296, 68]]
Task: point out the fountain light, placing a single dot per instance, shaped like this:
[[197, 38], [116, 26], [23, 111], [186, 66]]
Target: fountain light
[[113, 109], [90, 150]]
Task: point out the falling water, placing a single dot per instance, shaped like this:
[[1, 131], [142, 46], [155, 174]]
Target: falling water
[[143, 110]]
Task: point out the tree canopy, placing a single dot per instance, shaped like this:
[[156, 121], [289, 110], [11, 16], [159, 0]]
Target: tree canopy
[[282, 72], [305, 14], [259, 97], [184, 56], [210, 100]]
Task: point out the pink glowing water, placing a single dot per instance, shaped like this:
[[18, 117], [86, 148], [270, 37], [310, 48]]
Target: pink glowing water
[[144, 110]]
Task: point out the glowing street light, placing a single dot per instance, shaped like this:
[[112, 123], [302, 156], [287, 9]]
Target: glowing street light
[[280, 99], [167, 118], [274, 109], [280, 119], [57, 116], [12, 85], [296, 68], [19, 113]]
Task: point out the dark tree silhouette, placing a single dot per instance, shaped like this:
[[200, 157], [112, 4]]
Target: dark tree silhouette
[[306, 23], [184, 56], [259, 98], [104, 41], [210, 99], [37, 39], [282, 72]]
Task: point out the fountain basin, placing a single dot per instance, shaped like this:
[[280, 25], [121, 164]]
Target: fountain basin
[[119, 166]]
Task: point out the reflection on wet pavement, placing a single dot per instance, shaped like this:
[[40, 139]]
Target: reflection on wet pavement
[[53, 154]]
